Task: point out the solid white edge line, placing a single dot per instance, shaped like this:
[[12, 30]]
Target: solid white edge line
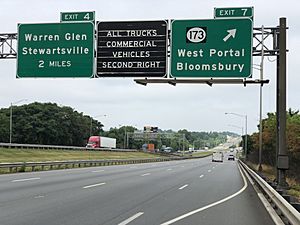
[[276, 219], [26, 179], [93, 185], [210, 205], [184, 186], [131, 218]]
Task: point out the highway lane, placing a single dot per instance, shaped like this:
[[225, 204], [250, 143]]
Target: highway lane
[[153, 193]]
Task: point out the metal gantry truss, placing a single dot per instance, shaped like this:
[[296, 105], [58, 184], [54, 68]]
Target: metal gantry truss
[[266, 37], [8, 46]]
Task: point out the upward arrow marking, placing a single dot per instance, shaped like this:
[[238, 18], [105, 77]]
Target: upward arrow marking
[[231, 33]]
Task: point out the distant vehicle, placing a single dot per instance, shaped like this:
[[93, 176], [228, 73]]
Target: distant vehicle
[[231, 157], [101, 142], [217, 157], [168, 149]]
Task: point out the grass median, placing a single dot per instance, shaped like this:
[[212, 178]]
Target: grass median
[[35, 155], [19, 155]]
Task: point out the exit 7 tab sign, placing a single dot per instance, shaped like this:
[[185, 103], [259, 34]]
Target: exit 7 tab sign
[[211, 48]]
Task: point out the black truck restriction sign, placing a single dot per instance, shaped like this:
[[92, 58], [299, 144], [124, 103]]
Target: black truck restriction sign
[[132, 49]]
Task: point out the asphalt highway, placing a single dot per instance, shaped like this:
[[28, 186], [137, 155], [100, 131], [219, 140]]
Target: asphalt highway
[[185, 192]]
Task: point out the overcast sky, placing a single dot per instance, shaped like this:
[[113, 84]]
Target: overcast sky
[[193, 107]]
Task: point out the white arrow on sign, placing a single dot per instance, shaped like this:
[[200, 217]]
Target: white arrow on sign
[[231, 33]]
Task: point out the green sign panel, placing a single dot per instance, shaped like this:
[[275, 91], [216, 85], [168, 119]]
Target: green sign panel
[[55, 50], [211, 48], [77, 16], [233, 12]]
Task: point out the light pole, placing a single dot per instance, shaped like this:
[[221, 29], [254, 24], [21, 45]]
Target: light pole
[[91, 125], [244, 116], [11, 117]]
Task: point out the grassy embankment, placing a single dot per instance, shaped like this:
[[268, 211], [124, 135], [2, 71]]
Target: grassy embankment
[[198, 154], [35, 155], [269, 172]]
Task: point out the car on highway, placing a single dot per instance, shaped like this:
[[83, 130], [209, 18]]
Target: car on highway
[[231, 157]]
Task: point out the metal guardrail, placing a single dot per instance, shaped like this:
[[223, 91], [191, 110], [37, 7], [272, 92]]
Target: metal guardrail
[[35, 146], [285, 208], [21, 166]]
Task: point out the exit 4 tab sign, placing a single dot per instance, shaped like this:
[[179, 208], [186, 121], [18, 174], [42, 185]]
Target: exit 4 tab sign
[[77, 17]]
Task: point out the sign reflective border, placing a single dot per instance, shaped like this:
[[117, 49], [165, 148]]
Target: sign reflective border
[[132, 49], [211, 48]]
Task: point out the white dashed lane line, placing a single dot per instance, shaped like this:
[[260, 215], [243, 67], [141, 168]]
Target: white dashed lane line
[[145, 174], [130, 219], [27, 179], [97, 171], [209, 171], [201, 176], [184, 186], [39, 196], [93, 185]]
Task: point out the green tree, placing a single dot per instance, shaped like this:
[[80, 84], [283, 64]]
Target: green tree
[[47, 123]]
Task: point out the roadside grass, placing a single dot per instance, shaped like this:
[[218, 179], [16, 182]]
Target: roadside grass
[[35, 155], [269, 172], [197, 154]]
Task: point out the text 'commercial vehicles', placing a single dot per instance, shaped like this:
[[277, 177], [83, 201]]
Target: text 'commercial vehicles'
[[101, 142]]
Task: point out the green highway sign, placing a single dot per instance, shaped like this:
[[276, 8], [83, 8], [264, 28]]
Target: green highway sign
[[55, 50], [211, 48], [77, 16], [233, 12]]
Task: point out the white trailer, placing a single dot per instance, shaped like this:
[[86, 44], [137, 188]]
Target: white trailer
[[106, 142]]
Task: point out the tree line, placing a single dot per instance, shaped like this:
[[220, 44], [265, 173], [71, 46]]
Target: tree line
[[269, 142], [50, 124]]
